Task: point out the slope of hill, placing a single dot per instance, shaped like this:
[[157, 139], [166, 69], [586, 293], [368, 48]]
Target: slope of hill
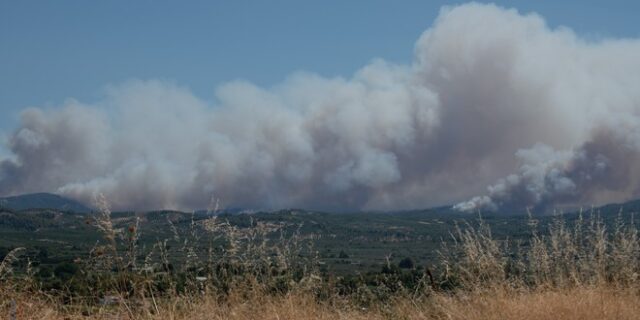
[[42, 201], [629, 207], [345, 242]]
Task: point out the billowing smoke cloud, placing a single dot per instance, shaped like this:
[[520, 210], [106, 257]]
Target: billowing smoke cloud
[[599, 170], [491, 93]]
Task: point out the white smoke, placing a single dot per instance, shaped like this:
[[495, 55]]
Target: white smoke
[[490, 92], [598, 171]]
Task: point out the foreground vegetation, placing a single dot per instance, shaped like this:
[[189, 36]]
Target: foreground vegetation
[[585, 267], [578, 304]]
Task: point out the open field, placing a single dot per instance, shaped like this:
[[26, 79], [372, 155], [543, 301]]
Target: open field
[[346, 243], [285, 265]]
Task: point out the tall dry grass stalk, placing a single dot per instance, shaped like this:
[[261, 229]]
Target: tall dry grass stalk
[[584, 253]]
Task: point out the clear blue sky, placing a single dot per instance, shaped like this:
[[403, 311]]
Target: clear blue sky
[[52, 50]]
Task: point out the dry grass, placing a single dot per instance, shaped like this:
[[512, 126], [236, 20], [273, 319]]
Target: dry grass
[[578, 303]]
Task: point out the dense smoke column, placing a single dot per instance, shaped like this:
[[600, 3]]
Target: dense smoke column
[[493, 98]]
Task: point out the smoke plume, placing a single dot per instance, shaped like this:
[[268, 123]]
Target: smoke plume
[[493, 98]]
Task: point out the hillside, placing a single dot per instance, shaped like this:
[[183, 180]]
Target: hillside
[[346, 242], [43, 201], [363, 259]]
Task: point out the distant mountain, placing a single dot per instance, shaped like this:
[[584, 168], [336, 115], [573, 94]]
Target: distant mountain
[[632, 206], [42, 201]]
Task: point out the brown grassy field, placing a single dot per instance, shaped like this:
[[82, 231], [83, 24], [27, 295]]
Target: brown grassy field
[[577, 303]]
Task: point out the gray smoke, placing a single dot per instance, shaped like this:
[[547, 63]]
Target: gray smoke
[[491, 92], [598, 171]]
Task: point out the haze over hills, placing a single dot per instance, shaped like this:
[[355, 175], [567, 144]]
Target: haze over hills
[[43, 201], [56, 202]]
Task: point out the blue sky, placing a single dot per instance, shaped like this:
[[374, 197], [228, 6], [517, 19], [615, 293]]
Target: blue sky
[[53, 50]]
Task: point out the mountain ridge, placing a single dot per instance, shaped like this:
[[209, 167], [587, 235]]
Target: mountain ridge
[[42, 200]]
